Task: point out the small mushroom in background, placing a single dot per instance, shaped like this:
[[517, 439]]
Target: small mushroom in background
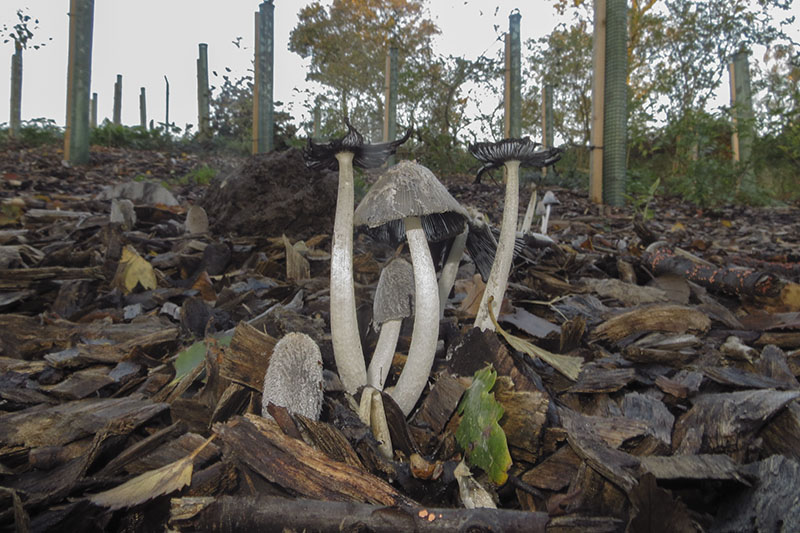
[[408, 198], [294, 376], [393, 298], [548, 202], [343, 154], [511, 153], [196, 220]]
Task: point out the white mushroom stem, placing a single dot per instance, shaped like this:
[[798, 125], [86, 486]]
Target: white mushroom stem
[[426, 320], [345, 337], [545, 219], [384, 353], [529, 212], [448, 276], [498, 277]]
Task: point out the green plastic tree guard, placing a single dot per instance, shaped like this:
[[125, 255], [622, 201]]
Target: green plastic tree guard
[[118, 100], [142, 109], [390, 114], [742, 105], [79, 78], [16, 90], [515, 76], [263, 128], [93, 112], [615, 129], [203, 97]]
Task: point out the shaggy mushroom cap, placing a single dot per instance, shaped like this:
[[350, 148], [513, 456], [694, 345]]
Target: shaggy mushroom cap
[[395, 292], [550, 199], [322, 156], [495, 154], [409, 189]]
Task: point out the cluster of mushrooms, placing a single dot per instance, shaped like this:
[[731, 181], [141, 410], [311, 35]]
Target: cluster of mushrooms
[[408, 203]]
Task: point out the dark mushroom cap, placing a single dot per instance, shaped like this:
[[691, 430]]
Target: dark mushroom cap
[[494, 155], [409, 189], [395, 292], [322, 156]]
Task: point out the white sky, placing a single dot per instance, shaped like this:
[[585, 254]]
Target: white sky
[[146, 39]]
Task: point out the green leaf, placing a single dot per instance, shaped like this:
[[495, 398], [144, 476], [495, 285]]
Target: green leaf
[[194, 355], [479, 433]]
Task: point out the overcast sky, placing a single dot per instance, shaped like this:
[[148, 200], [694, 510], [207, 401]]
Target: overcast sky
[[144, 40]]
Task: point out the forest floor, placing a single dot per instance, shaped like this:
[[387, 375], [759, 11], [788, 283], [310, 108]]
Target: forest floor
[[647, 369]]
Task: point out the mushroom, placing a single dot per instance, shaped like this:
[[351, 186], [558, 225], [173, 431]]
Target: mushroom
[[548, 201], [344, 154], [391, 305], [511, 153], [294, 376], [406, 199]]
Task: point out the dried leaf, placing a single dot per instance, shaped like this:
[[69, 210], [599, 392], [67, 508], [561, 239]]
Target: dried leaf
[[149, 485], [479, 433], [134, 270], [570, 366]]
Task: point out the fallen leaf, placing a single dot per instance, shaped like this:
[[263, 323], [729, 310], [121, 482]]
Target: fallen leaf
[[134, 270], [149, 485], [569, 365]]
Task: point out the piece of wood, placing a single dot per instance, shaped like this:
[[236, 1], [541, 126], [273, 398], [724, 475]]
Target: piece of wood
[[297, 266], [594, 379], [726, 422], [246, 360], [735, 377], [556, 472], [652, 412], [23, 278], [626, 293], [718, 467], [782, 434], [524, 418], [293, 464], [670, 318], [233, 514], [439, 405]]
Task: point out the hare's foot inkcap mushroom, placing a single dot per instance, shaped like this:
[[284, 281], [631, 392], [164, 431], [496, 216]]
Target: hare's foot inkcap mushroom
[[343, 154], [294, 376], [511, 153]]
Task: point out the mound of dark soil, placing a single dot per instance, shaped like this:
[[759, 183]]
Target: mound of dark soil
[[273, 194]]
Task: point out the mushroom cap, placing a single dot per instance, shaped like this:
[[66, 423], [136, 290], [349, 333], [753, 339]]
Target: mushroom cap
[[550, 199], [395, 292], [495, 154], [409, 189], [321, 156]]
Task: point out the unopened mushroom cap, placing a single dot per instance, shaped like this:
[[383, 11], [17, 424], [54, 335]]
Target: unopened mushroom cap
[[294, 376], [409, 189], [550, 198], [395, 292]]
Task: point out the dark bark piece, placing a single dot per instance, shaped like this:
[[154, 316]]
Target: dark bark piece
[[174, 450], [770, 505], [768, 322], [524, 418], [233, 401], [572, 332], [655, 356], [787, 340], [60, 424], [736, 377], [618, 467], [246, 360], [556, 472], [592, 494], [626, 293], [294, 465], [716, 467], [656, 511], [594, 379], [652, 412], [439, 405], [782, 434], [726, 422], [774, 364], [141, 448], [219, 478], [675, 288], [232, 514], [529, 323], [328, 439], [667, 318], [23, 278], [734, 281], [82, 384]]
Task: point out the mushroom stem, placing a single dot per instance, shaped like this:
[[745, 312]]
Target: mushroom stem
[[384, 353], [529, 212], [545, 219], [498, 278], [426, 320], [450, 269], [345, 337]]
